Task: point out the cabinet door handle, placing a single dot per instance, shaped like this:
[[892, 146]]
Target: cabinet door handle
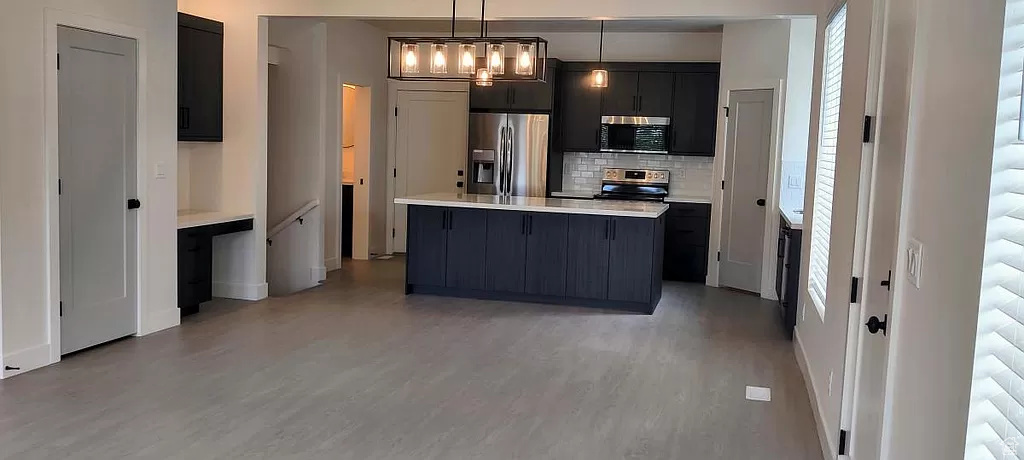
[[640, 103], [675, 136], [444, 219], [529, 225], [634, 103], [513, 96], [522, 224], [187, 118], [607, 227], [615, 229], [451, 220]]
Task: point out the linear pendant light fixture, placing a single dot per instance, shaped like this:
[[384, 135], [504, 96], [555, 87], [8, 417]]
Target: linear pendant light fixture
[[599, 76], [481, 59]]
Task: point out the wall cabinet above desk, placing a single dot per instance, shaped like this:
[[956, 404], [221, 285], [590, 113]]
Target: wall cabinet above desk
[[200, 79]]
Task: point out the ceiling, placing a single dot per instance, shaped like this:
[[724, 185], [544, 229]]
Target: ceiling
[[466, 26]]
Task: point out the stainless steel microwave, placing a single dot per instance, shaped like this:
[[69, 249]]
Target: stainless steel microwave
[[634, 134]]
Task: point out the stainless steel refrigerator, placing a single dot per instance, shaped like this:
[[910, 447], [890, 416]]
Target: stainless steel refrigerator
[[508, 154]]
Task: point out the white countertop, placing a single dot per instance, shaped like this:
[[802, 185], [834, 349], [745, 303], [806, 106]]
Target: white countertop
[[796, 221], [574, 194], [646, 209], [188, 218]]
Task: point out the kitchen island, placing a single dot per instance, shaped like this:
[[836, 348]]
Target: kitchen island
[[548, 250]]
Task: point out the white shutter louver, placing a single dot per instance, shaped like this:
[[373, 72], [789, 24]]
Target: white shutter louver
[[825, 165], [996, 419]]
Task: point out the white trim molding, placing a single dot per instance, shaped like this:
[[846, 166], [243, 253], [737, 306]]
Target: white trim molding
[[241, 291]]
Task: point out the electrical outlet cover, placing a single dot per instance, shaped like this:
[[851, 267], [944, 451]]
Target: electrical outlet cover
[[759, 394]]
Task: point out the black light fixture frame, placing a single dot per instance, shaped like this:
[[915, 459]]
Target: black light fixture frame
[[540, 45]]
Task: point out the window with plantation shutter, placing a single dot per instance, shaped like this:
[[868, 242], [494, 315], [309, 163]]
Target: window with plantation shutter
[[997, 390], [825, 168]]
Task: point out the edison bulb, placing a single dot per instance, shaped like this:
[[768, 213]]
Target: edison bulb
[[524, 59], [495, 59], [410, 59], [467, 59], [439, 58]]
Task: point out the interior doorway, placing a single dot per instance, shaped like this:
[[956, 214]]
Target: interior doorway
[[97, 117], [748, 141], [350, 237]]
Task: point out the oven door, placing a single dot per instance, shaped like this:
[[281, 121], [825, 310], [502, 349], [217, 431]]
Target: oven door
[[634, 134]]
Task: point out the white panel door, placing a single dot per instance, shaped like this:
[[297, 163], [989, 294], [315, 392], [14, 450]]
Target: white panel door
[[746, 188], [97, 116], [432, 141]]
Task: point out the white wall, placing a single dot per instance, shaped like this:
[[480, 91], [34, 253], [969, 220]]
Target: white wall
[[29, 305], [755, 55], [795, 130], [364, 66], [946, 187]]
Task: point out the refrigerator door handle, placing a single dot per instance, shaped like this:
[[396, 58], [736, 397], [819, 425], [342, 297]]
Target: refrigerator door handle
[[510, 159], [499, 163]]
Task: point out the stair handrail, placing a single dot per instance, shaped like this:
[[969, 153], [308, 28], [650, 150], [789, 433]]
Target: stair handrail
[[292, 218]]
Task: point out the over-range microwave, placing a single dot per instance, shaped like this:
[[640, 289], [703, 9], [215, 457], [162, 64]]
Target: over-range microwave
[[634, 134]]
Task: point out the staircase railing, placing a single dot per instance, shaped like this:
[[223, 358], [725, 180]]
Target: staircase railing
[[296, 216]]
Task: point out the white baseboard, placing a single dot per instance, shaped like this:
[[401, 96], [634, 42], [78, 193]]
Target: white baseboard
[[333, 263], [160, 320], [240, 291], [801, 359], [319, 274], [26, 360]]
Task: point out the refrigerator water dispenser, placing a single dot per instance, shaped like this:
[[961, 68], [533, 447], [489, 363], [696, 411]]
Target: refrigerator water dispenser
[[483, 166]]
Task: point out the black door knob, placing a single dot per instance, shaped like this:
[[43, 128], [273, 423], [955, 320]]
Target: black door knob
[[134, 203], [874, 324], [760, 202]]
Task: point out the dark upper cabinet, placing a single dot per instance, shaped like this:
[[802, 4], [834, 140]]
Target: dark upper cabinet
[[546, 253], [654, 90], [647, 94], [200, 79], [428, 245], [516, 96], [466, 249], [620, 96], [587, 267], [496, 97], [631, 259], [506, 251], [580, 113], [694, 114]]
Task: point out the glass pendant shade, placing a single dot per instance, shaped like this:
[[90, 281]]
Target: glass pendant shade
[[410, 58], [599, 78], [467, 59], [483, 77], [496, 59], [439, 58], [526, 55]]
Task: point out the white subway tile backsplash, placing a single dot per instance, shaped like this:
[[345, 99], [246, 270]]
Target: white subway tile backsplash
[[689, 176]]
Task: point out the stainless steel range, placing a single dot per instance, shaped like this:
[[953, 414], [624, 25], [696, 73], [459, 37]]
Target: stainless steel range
[[634, 184]]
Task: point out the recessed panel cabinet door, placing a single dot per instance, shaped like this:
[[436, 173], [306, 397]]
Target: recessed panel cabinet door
[[428, 237], [580, 113], [495, 98], [506, 251], [546, 253], [620, 97], [587, 266], [630, 259], [466, 248], [654, 94]]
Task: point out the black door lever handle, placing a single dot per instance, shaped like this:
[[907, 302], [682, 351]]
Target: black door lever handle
[[134, 203]]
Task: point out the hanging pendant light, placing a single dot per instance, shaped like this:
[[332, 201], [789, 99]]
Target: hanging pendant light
[[428, 58], [599, 76]]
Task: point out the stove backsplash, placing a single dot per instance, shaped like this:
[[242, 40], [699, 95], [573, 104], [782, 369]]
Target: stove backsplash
[[690, 176]]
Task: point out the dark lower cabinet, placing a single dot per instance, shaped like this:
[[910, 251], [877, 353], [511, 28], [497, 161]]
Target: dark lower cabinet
[[546, 253], [195, 262], [787, 282], [587, 268], [687, 229], [467, 248], [631, 259], [427, 238], [505, 266], [536, 256]]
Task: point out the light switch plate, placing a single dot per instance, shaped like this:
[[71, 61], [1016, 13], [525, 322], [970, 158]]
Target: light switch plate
[[759, 394], [160, 170], [915, 261]]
